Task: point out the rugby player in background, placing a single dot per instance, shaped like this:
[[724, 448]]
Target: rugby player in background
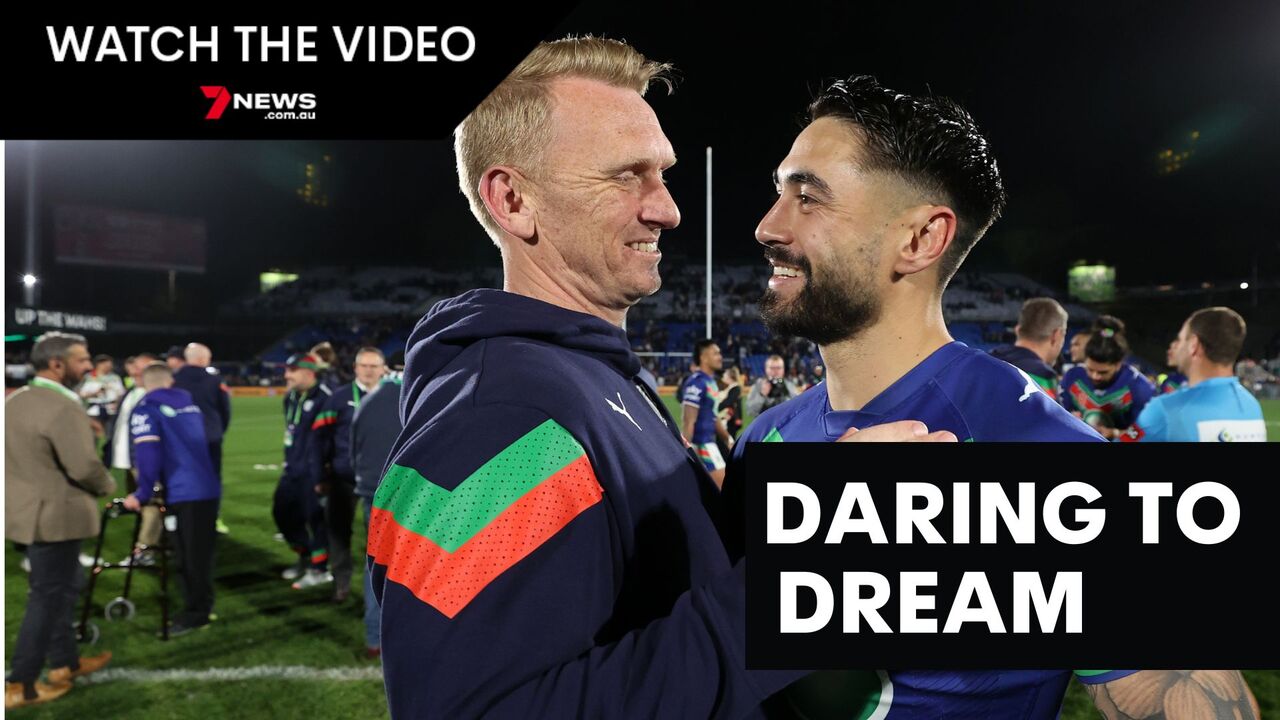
[[700, 398], [1106, 391]]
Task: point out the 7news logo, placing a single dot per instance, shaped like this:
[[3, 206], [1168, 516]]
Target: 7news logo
[[277, 106]]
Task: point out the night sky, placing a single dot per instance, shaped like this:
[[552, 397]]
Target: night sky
[[1077, 103]]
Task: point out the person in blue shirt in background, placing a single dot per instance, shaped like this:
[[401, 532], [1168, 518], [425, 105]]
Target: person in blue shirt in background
[[171, 451], [1214, 406], [700, 397]]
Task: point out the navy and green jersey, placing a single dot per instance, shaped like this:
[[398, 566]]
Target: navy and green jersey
[[957, 388], [1213, 410], [1171, 382], [701, 392], [1030, 363], [300, 442], [542, 543], [170, 448], [332, 428], [1116, 405], [979, 398]]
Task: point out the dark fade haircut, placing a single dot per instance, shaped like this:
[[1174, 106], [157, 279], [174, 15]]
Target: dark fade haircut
[[932, 144], [701, 347], [1221, 332], [1107, 344]]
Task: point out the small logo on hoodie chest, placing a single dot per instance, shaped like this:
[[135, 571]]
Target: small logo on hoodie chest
[[621, 408]]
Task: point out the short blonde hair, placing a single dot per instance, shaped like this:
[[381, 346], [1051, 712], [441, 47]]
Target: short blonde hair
[[510, 126]]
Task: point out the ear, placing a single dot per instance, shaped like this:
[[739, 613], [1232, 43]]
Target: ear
[[503, 191], [1193, 345], [932, 228]]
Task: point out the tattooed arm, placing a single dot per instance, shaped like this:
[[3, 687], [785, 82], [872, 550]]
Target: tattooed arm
[[1176, 695]]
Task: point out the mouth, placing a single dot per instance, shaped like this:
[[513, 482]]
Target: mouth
[[784, 275], [645, 247]]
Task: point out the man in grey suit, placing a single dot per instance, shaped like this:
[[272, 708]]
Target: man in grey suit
[[52, 473]]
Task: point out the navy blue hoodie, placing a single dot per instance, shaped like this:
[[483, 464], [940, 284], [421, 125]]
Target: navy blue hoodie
[[301, 442], [1026, 360], [542, 541], [373, 433], [332, 427], [209, 395]]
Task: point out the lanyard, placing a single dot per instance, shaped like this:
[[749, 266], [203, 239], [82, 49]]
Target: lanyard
[[355, 394], [297, 410], [51, 385]]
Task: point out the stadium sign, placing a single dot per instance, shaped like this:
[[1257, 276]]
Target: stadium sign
[[58, 320]]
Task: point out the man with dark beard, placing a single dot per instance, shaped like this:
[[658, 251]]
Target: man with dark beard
[[879, 201]]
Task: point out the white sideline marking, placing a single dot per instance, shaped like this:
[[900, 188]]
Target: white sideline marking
[[232, 674], [260, 466]]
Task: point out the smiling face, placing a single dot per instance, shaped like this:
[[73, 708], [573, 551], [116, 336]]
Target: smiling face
[[600, 196], [825, 238]]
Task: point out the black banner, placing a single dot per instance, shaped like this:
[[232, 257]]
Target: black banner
[[403, 74], [1021, 557]]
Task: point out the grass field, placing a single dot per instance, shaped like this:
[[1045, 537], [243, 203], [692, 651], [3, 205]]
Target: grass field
[[303, 652]]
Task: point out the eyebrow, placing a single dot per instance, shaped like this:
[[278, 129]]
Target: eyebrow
[[803, 177], [642, 164]]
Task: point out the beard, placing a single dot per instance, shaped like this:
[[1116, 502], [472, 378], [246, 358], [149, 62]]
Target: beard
[[827, 310]]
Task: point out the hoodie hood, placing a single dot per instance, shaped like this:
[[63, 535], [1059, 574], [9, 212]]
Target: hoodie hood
[[456, 324], [173, 397]]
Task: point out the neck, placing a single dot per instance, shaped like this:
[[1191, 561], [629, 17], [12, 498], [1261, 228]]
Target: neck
[[707, 370], [1041, 349], [1199, 372], [49, 375], [862, 367], [525, 277], [367, 388]]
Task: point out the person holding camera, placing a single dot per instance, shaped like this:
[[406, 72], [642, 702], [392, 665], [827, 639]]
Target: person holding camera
[[772, 389]]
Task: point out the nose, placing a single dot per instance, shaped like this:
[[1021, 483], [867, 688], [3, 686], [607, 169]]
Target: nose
[[773, 228], [659, 210]]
